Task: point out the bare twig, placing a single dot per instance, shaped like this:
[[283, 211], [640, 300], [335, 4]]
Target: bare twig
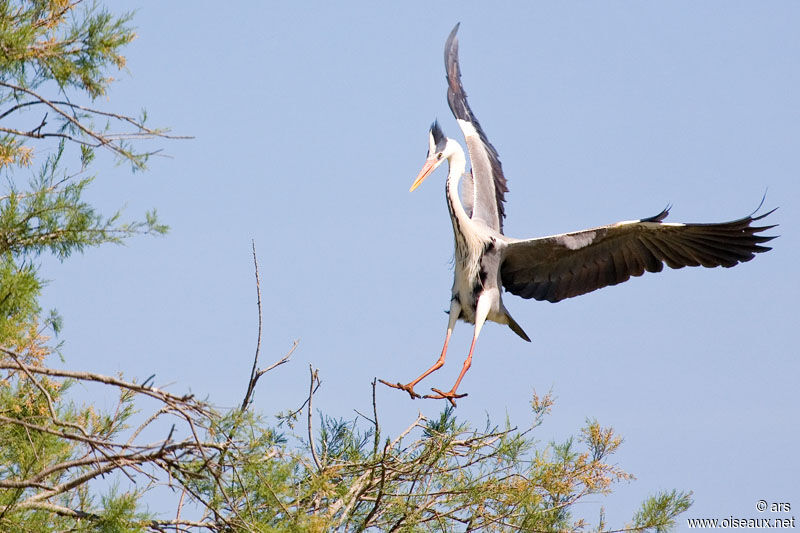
[[377, 504], [251, 384], [99, 139], [281, 361], [377, 427], [180, 507], [57, 509], [311, 389], [153, 392], [255, 372]]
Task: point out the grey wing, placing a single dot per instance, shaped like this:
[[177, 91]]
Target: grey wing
[[562, 266], [467, 193], [487, 172]]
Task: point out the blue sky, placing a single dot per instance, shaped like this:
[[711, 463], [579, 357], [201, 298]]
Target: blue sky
[[310, 124]]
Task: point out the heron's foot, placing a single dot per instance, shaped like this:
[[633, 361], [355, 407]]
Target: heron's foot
[[449, 396], [409, 388]]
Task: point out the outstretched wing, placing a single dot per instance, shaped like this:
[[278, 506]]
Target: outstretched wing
[[487, 172], [562, 266]]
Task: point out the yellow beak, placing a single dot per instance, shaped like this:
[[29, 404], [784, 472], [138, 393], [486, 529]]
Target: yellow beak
[[427, 168]]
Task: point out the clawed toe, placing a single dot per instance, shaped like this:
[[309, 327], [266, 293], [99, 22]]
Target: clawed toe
[[449, 396], [408, 388]]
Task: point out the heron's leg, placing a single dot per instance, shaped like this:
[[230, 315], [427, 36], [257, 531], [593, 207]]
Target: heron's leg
[[455, 311], [481, 312], [440, 362]]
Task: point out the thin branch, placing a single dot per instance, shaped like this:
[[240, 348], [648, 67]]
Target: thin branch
[[314, 377], [375, 507], [180, 507], [46, 395], [255, 372], [153, 392], [58, 110], [283, 360], [146, 423], [177, 523], [377, 426], [123, 118], [57, 509], [251, 384], [75, 122]]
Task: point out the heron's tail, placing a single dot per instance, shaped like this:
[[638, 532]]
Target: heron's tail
[[516, 328]]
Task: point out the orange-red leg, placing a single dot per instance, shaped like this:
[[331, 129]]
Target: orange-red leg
[[455, 310], [481, 312], [452, 396]]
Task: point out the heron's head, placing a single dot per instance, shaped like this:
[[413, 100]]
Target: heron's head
[[439, 149]]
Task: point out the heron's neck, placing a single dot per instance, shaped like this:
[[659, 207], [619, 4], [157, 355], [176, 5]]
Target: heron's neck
[[458, 164]]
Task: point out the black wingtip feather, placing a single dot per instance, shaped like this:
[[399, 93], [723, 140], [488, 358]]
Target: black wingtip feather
[[659, 217], [761, 203], [759, 217]]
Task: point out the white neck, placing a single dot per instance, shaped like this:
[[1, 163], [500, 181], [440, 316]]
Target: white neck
[[458, 164]]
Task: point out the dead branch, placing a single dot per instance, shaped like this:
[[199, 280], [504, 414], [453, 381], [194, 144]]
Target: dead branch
[[152, 392], [251, 384], [256, 373], [311, 389]]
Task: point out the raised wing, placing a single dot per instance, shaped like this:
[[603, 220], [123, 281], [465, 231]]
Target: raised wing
[[562, 266], [487, 172], [467, 193]]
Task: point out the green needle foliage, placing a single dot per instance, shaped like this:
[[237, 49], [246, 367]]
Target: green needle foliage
[[72, 467], [54, 54], [236, 471]]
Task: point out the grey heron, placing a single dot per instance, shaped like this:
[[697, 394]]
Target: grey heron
[[547, 268]]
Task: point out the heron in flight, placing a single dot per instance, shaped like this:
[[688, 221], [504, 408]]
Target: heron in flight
[[547, 268]]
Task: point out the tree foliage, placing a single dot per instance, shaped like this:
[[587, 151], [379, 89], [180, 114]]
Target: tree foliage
[[55, 58], [67, 466], [234, 471]]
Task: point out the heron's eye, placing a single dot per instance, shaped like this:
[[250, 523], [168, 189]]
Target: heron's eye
[[439, 155]]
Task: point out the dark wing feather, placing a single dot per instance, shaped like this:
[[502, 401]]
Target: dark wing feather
[[489, 182], [562, 266]]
